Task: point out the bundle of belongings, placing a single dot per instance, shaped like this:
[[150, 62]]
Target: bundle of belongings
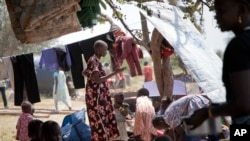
[[74, 127], [39, 20]]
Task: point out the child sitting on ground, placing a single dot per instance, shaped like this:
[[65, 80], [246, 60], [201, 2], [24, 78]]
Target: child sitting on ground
[[34, 130], [51, 131], [23, 121]]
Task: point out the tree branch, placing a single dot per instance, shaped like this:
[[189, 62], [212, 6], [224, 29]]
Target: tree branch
[[107, 18], [207, 4]]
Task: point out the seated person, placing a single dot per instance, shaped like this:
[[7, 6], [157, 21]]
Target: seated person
[[51, 131], [176, 134], [34, 130], [163, 138]]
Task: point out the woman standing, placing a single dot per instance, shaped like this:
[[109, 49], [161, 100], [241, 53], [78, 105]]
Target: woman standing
[[232, 15], [60, 89], [98, 101]]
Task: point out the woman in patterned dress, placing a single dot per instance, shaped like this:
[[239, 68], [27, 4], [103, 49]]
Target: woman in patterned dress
[[98, 101]]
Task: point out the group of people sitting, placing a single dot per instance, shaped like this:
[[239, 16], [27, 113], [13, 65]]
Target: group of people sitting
[[31, 129]]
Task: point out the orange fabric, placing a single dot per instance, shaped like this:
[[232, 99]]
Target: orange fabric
[[148, 73]]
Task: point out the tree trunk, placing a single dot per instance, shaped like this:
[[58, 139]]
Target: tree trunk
[[162, 67], [144, 27], [156, 41], [168, 79]]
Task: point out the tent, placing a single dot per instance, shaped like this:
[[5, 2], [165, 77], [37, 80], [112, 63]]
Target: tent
[[202, 63]]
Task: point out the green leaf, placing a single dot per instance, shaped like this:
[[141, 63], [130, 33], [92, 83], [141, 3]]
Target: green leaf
[[103, 4]]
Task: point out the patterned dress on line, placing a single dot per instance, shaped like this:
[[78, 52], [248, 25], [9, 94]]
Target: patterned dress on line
[[100, 112]]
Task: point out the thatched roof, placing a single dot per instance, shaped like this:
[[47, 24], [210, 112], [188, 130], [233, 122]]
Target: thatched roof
[[35, 21]]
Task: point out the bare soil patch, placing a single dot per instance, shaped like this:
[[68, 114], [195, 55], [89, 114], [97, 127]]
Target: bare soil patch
[[43, 111]]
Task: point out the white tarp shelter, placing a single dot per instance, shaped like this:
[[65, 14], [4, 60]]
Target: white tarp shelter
[[202, 63]]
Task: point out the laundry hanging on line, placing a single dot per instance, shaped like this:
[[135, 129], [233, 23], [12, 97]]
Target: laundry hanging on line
[[86, 48], [25, 82], [53, 58], [125, 48]]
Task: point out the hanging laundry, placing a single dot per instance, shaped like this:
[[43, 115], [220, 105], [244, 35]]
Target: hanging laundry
[[85, 47], [62, 59], [140, 53], [75, 53], [26, 87], [166, 49], [49, 59], [129, 51], [53, 58], [35, 21], [116, 53], [126, 49]]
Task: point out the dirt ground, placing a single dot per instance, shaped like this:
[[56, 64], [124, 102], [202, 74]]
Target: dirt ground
[[44, 111]]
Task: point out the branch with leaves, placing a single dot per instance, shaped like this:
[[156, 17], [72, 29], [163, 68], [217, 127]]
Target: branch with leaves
[[190, 7]]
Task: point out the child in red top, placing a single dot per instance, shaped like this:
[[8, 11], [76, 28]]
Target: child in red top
[[23, 121]]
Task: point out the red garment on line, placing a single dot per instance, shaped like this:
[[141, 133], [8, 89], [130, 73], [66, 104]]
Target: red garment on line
[[129, 51]]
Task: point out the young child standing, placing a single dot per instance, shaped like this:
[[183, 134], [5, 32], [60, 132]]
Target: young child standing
[[23, 121], [122, 113]]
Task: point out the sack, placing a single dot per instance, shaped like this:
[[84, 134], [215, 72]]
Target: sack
[[76, 132], [74, 127]]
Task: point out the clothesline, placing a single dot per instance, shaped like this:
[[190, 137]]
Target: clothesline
[[38, 52], [34, 52], [21, 70], [1, 58]]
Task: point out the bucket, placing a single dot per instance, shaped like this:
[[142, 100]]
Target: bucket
[[208, 127]]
